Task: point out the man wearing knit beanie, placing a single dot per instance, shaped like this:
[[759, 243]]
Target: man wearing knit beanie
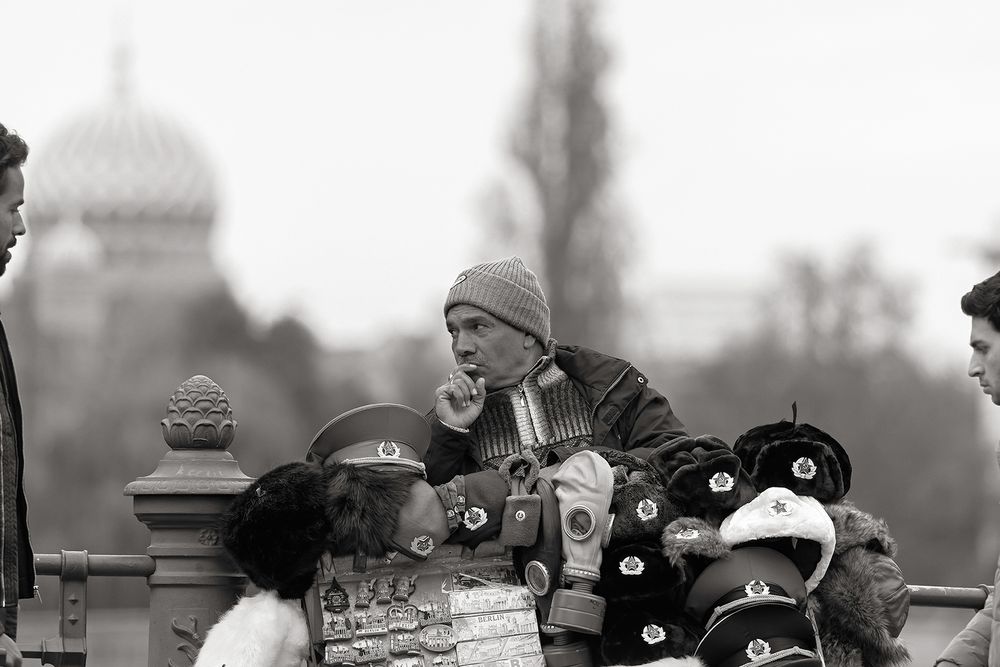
[[514, 388]]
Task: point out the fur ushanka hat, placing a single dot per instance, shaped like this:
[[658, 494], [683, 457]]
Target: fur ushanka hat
[[277, 529], [797, 526], [703, 477], [799, 457]]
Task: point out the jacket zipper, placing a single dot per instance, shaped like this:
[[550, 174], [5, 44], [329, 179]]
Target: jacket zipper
[[621, 376]]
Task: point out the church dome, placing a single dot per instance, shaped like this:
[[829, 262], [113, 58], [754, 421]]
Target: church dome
[[69, 246], [121, 161]]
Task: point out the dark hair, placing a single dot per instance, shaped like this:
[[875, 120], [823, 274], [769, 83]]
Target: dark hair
[[984, 300], [13, 153]]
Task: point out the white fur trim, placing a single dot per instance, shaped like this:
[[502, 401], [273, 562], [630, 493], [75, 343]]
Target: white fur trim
[[777, 512], [260, 631], [686, 661]]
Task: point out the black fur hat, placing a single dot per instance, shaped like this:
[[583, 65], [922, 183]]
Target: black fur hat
[[692, 544], [799, 457], [640, 571], [639, 633], [277, 530], [362, 505], [638, 500], [703, 477]]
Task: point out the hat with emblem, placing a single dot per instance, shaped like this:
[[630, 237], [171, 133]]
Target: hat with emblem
[[507, 290], [744, 578], [690, 544], [703, 477], [799, 457], [639, 633], [767, 634], [796, 525], [638, 499], [640, 571], [479, 510], [373, 434]]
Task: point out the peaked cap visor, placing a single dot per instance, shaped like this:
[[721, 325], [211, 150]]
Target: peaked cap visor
[[359, 433], [736, 639]]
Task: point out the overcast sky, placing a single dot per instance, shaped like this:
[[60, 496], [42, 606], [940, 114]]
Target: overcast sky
[[354, 141]]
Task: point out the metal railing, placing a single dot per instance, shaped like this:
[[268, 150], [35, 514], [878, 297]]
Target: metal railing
[[74, 568], [191, 581]]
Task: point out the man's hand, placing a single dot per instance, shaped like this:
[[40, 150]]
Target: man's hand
[[459, 402], [13, 653]]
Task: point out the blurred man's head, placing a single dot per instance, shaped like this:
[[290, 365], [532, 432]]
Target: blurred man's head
[[982, 304], [498, 319], [13, 153]]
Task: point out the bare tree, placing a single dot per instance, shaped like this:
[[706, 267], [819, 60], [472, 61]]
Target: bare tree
[[561, 145]]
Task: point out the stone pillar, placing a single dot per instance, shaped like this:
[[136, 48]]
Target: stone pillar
[[194, 581]]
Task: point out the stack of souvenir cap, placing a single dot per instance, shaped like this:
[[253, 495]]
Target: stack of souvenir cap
[[644, 594], [703, 477], [745, 577], [752, 607], [799, 457], [643, 589], [765, 635], [798, 526]]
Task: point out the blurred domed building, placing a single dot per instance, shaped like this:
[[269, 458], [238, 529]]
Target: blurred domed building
[[121, 203], [120, 207]]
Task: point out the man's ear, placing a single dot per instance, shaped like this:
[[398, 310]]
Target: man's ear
[[529, 341]]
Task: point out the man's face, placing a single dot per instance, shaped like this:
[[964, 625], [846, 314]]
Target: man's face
[[985, 362], [11, 225], [498, 349]]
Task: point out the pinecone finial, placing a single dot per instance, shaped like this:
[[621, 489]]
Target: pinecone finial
[[199, 416]]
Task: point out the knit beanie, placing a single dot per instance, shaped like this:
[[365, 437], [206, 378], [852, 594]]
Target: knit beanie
[[507, 290]]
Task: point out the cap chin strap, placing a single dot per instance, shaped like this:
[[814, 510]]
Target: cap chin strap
[[389, 463], [722, 610]]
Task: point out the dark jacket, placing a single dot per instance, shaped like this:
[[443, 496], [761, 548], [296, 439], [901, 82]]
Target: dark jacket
[[26, 559], [627, 414]]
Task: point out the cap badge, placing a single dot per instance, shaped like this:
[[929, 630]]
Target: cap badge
[[647, 509], [804, 468], [388, 449], [721, 482], [778, 508], [459, 280], [422, 544], [688, 534], [757, 587], [757, 649], [653, 634], [631, 565], [474, 518]]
